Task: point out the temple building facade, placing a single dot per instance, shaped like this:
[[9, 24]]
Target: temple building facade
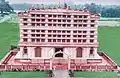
[[59, 38]]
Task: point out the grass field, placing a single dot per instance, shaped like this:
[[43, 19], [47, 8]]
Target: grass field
[[109, 39], [95, 75], [23, 75], [9, 35]]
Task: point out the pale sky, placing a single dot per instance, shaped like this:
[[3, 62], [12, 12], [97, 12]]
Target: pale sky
[[104, 2]]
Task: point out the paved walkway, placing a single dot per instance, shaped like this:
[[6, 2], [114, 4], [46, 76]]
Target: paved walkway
[[61, 74]]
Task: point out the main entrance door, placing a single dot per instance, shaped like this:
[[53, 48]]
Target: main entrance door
[[59, 62]]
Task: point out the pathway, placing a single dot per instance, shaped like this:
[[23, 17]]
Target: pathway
[[61, 74]]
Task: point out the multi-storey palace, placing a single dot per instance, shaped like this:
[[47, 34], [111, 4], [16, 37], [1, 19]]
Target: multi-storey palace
[[59, 38]]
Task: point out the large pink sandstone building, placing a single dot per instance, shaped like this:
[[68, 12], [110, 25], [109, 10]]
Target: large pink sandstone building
[[59, 38]]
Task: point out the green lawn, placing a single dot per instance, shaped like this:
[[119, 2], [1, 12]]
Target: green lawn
[[95, 75], [23, 75], [109, 42], [109, 39], [9, 35]]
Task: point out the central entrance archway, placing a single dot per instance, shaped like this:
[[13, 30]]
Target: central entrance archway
[[60, 54], [59, 62]]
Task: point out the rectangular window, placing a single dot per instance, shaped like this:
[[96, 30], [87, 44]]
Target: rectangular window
[[37, 20], [63, 35], [59, 20], [54, 31], [33, 15], [25, 23], [91, 36], [25, 39], [80, 16], [32, 30], [59, 35], [49, 31], [68, 20], [42, 40], [54, 24], [43, 24], [68, 40], [33, 24], [54, 35], [24, 19], [33, 40], [42, 15], [92, 25], [85, 16], [49, 35], [84, 36], [79, 40], [63, 40], [75, 20], [33, 19], [80, 25], [38, 24], [91, 40], [38, 15], [33, 35], [92, 21], [38, 30], [64, 16], [38, 35], [59, 16], [63, 31], [74, 35], [92, 31], [54, 15], [49, 15], [54, 40], [79, 36], [68, 35], [25, 35], [43, 35], [59, 40], [84, 31], [69, 16], [38, 40], [68, 25], [84, 25], [74, 40], [49, 40], [24, 30], [54, 20], [49, 24], [43, 20], [64, 20], [49, 20], [84, 40], [74, 31], [75, 16]]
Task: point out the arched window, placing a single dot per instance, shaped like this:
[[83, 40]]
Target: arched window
[[79, 52], [25, 50], [91, 51], [38, 52]]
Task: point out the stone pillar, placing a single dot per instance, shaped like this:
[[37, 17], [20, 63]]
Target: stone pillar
[[68, 63], [50, 63]]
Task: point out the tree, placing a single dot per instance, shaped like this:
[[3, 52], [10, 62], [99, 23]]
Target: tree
[[5, 8]]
